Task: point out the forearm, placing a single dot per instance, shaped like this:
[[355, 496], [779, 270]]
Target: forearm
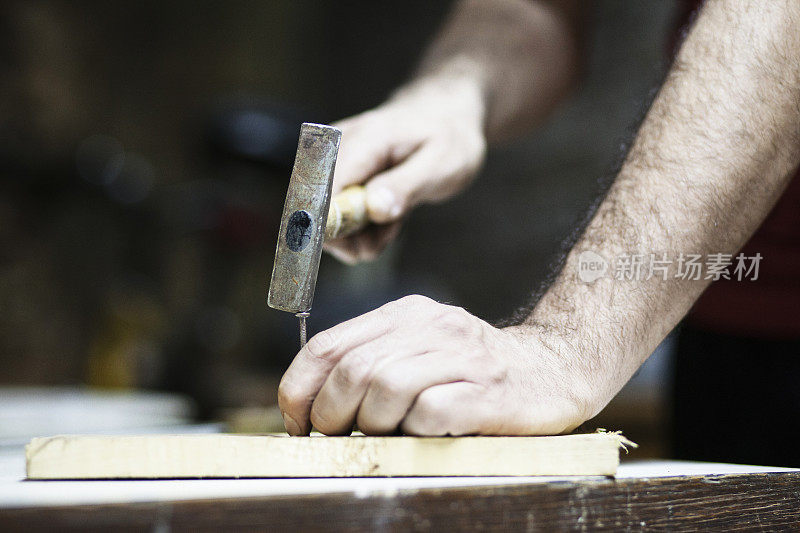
[[518, 57], [714, 153]]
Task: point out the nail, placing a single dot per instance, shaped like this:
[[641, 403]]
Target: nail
[[291, 426]]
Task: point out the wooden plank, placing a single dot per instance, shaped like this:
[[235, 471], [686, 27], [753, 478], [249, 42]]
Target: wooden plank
[[226, 456], [685, 503]]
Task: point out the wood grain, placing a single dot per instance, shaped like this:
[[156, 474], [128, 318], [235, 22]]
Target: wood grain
[[688, 503], [226, 456]]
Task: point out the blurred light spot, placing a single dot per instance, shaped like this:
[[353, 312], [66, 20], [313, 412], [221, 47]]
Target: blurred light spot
[[99, 159], [134, 180], [252, 132]]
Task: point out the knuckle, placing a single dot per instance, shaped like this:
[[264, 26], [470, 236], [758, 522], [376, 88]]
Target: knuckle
[[430, 408], [371, 117], [459, 166], [321, 345], [427, 417], [387, 386], [357, 123], [456, 320], [412, 302], [352, 370], [376, 421], [289, 395]]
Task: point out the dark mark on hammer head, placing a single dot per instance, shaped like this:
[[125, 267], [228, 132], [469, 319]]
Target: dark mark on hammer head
[[301, 235], [299, 231]]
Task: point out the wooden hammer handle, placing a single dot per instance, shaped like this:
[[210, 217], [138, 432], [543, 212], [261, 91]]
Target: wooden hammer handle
[[348, 213]]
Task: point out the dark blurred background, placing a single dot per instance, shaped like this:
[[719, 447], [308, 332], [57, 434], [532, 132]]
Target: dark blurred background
[[146, 148]]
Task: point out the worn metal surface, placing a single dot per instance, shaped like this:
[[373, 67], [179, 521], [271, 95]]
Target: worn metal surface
[[300, 238]]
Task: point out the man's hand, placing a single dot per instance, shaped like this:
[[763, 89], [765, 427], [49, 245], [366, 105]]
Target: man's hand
[[715, 151], [433, 369], [495, 68], [424, 145]]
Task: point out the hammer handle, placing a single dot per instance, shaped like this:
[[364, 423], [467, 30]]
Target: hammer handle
[[348, 213]]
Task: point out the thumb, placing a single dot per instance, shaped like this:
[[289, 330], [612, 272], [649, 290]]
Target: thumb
[[383, 203]]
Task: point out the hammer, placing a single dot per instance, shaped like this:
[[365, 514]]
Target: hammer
[[309, 217]]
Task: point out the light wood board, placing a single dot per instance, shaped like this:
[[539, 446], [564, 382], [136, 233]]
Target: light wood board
[[266, 456]]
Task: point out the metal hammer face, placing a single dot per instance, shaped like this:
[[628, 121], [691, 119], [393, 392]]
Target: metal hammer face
[[305, 213]]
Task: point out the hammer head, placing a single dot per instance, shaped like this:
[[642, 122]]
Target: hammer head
[[305, 213]]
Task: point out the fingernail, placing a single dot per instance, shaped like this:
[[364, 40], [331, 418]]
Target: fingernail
[[382, 202], [291, 426]]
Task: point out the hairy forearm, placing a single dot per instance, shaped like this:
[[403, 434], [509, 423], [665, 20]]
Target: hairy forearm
[[517, 57], [714, 153]]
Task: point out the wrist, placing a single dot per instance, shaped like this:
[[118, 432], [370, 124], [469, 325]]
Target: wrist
[[580, 384], [456, 91]]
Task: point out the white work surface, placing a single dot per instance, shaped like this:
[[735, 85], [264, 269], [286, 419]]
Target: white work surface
[[15, 492]]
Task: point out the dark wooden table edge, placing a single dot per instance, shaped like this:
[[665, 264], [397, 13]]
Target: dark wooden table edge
[[720, 502]]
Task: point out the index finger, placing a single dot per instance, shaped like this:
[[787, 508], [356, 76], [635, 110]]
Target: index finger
[[360, 157], [310, 368]]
